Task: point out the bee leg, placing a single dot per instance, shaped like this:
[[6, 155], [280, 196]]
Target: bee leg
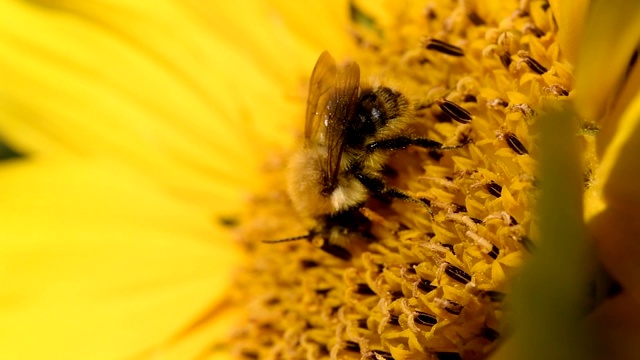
[[336, 250], [377, 187], [402, 142]]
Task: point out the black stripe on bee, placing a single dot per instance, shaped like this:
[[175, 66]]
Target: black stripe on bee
[[443, 47], [425, 319], [494, 189], [534, 65], [515, 144], [455, 111], [457, 274]]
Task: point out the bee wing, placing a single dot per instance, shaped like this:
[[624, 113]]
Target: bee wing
[[321, 86], [331, 103], [340, 111]]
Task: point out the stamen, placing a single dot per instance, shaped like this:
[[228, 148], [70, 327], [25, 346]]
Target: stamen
[[423, 318], [449, 306], [532, 63], [475, 18], [457, 274], [494, 189], [425, 285], [505, 59], [443, 47], [515, 144], [455, 111]]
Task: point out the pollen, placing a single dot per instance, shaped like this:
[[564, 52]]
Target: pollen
[[426, 279]]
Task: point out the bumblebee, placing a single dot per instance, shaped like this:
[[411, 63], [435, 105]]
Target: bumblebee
[[350, 131]]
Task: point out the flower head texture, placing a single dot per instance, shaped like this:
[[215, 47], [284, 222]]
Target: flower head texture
[[156, 142]]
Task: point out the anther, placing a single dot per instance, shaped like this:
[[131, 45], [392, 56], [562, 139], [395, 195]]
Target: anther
[[505, 59], [455, 111], [443, 47], [449, 306], [457, 274], [494, 189], [448, 247], [495, 251], [475, 18], [425, 285], [488, 248], [557, 90], [531, 28], [532, 63], [515, 144], [423, 318]]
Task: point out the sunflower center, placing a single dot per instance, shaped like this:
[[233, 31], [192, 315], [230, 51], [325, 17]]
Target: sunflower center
[[425, 275]]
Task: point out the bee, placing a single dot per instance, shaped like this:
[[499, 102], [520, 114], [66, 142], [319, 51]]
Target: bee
[[350, 131]]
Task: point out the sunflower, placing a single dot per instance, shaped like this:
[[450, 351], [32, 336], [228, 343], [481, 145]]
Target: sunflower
[[147, 131]]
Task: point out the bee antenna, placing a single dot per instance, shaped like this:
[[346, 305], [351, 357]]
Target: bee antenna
[[306, 236]]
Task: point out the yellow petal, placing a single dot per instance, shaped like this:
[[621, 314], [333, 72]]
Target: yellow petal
[[163, 87], [611, 35], [570, 16], [616, 229], [98, 263]]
